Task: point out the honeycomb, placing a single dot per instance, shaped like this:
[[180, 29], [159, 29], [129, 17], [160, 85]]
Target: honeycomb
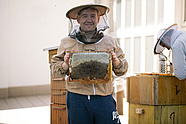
[[90, 67]]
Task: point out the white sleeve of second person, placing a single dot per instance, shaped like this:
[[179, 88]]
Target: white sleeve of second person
[[179, 62]]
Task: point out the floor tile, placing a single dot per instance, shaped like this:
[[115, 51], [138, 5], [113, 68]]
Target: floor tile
[[45, 99], [25, 103], [12, 103], [35, 101], [3, 104]]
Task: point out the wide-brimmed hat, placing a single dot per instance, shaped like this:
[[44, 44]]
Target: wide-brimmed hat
[[73, 13], [161, 35]]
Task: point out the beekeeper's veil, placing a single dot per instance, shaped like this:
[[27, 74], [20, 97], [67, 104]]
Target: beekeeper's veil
[[72, 14], [165, 38]]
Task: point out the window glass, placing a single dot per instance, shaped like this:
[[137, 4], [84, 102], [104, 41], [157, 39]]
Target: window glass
[[160, 11], [149, 56], [137, 54], [150, 12], [128, 14], [127, 52], [138, 7], [118, 14]]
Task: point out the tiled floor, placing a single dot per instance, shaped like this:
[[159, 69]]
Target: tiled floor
[[34, 110], [24, 102]]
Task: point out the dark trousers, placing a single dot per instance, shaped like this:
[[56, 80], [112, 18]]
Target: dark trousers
[[96, 110]]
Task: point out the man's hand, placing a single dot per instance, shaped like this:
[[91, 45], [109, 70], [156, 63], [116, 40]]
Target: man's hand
[[115, 60], [65, 65]]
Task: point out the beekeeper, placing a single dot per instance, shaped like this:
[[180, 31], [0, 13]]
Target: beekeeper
[[89, 103], [175, 39]]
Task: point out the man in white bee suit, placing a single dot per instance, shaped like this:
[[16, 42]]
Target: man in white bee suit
[[174, 39]]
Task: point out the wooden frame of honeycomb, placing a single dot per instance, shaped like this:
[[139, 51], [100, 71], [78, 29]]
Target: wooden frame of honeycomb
[[90, 67]]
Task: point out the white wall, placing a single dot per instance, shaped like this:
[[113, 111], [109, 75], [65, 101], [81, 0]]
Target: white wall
[[27, 27]]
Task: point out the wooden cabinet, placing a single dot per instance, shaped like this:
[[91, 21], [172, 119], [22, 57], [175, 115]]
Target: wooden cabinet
[[156, 99]]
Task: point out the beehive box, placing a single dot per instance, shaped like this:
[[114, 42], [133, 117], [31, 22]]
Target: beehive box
[[153, 114], [90, 67], [58, 83], [58, 114], [59, 97], [156, 90], [156, 99], [51, 53], [58, 90]]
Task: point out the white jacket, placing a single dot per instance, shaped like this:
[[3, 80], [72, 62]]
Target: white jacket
[[179, 54]]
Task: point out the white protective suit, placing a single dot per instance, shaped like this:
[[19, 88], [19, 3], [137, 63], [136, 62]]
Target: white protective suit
[[174, 39]]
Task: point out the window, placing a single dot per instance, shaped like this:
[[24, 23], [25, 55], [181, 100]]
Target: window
[[128, 13], [118, 14], [138, 10], [150, 12], [149, 55], [127, 51], [160, 11], [137, 54]]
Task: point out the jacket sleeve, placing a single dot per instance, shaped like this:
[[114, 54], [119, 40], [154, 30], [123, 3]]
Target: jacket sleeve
[[57, 61], [122, 68], [179, 61]]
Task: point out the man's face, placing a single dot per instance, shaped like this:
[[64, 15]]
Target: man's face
[[166, 42], [88, 20]]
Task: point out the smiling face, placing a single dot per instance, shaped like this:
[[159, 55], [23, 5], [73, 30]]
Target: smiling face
[[88, 20]]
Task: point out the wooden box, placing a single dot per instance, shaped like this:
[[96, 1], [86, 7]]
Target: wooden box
[[119, 101], [152, 114], [58, 83], [59, 97], [51, 53], [58, 90], [156, 99], [156, 90], [58, 114]]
